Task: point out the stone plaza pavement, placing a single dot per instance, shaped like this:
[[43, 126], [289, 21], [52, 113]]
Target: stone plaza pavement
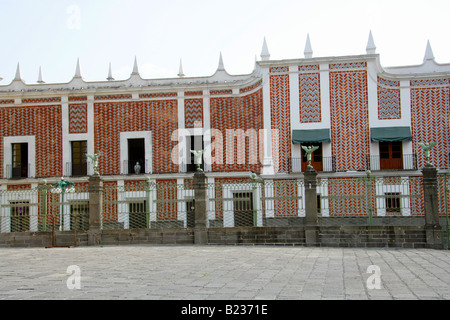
[[223, 273]]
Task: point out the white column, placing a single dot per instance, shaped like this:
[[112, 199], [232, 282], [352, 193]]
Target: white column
[[325, 110], [267, 165], [207, 129], [294, 98], [66, 152], [90, 131]]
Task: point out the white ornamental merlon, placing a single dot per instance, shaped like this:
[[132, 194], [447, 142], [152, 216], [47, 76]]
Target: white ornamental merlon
[[110, 77], [135, 67], [40, 80], [428, 67], [308, 52], [220, 79], [17, 76], [17, 84], [77, 70], [221, 67], [429, 56], [265, 55], [222, 76], [370, 48], [180, 70], [77, 81]]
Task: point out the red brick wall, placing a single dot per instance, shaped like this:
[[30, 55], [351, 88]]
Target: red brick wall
[[286, 192], [43, 122], [112, 118], [430, 119], [350, 137], [238, 113], [166, 189], [281, 117]]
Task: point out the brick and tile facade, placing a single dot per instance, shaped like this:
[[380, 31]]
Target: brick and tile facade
[[256, 116]]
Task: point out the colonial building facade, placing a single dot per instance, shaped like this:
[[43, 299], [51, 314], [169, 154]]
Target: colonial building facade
[[361, 115]]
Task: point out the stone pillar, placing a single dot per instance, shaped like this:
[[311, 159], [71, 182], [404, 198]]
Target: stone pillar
[[432, 224], [311, 227], [95, 210], [201, 205]]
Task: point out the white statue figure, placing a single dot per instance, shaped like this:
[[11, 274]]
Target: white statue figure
[[137, 168]]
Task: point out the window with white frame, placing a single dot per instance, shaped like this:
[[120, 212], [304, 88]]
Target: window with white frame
[[19, 157]]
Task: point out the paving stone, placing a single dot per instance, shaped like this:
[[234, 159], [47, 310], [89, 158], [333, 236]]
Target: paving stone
[[223, 272]]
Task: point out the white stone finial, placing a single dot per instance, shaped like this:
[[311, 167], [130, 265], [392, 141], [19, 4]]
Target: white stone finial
[[265, 55], [308, 52], [221, 67], [135, 67], [40, 80], [77, 69], [370, 48], [180, 70], [429, 56], [17, 77], [110, 77]]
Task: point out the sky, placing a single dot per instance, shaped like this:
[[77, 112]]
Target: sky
[[53, 34]]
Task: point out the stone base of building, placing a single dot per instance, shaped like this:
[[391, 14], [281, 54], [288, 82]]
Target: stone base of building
[[327, 236]]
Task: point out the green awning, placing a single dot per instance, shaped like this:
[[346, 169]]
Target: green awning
[[314, 135], [391, 134]]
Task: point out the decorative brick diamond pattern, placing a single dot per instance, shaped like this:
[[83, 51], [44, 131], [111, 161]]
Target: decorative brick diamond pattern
[[221, 92], [78, 118], [349, 119], [113, 97], [43, 122], [109, 201], [193, 93], [41, 100], [348, 65], [286, 191], [417, 204], [348, 197], [77, 98], [281, 118], [388, 99], [309, 85], [158, 116], [193, 111], [430, 120], [158, 95], [19, 187]]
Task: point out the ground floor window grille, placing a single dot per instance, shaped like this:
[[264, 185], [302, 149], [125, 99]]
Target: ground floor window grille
[[20, 216], [138, 216], [190, 213], [79, 216], [392, 201], [243, 209]]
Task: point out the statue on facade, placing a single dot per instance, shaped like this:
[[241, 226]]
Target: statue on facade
[[426, 149], [198, 158], [309, 150], [137, 168], [94, 159]]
